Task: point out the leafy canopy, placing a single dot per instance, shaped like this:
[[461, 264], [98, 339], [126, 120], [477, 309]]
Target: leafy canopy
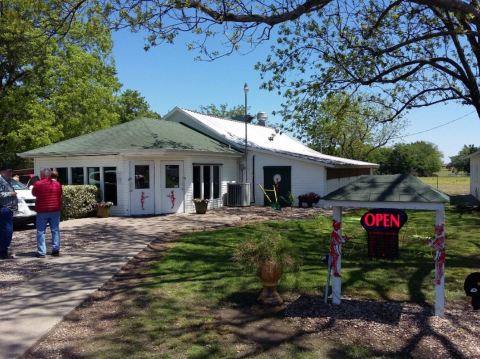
[[55, 85], [131, 105], [461, 161], [403, 53], [341, 125], [418, 158]]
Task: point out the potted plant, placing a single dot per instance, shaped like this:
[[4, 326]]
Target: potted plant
[[309, 199], [201, 205], [269, 255], [103, 209]]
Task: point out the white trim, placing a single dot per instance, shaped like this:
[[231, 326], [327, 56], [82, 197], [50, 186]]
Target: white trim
[[397, 205], [301, 158]]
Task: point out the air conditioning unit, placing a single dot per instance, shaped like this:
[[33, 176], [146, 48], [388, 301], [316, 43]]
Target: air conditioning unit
[[238, 194]]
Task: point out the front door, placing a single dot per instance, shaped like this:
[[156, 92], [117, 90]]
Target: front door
[[279, 177], [142, 188], [173, 194]]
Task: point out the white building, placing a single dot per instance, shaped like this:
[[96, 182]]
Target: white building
[[158, 166], [475, 174]]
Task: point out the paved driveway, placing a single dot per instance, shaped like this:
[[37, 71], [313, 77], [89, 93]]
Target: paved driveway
[[37, 293]]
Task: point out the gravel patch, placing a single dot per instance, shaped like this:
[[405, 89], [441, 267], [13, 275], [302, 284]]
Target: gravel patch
[[387, 328]]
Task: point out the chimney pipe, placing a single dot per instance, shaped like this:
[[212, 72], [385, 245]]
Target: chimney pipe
[[262, 118]]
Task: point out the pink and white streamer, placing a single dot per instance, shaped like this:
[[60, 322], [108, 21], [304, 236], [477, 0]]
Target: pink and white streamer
[[438, 244], [336, 242]]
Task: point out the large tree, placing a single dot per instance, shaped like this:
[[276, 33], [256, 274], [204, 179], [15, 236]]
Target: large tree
[[55, 85], [406, 53], [418, 158], [26, 28], [341, 125]]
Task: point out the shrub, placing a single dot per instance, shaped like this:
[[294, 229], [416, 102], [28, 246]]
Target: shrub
[[79, 201], [263, 247]]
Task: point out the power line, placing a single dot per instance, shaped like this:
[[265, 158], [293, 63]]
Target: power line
[[434, 128]]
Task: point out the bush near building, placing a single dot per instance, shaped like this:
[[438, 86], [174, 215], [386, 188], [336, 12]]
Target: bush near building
[[79, 201]]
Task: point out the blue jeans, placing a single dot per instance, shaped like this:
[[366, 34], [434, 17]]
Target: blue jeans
[[6, 230], [53, 218]]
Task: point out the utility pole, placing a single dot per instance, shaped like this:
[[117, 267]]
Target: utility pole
[[245, 90]]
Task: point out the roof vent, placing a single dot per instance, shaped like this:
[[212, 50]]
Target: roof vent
[[262, 118]]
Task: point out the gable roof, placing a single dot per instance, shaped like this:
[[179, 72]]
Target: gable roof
[[388, 188], [139, 135], [264, 138], [474, 154]]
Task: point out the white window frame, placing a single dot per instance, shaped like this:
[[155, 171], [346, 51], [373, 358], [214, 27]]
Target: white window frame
[[202, 184]]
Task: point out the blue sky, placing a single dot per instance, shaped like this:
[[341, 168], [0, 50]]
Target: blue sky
[[167, 76]]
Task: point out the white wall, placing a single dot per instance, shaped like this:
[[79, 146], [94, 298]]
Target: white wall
[[306, 176], [93, 161], [475, 176], [228, 173]]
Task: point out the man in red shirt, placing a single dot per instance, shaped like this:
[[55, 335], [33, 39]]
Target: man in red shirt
[[48, 206]]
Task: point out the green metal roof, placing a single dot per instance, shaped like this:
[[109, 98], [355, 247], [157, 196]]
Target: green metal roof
[[134, 136], [388, 188]]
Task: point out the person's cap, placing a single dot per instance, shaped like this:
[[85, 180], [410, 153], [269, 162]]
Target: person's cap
[[5, 166]]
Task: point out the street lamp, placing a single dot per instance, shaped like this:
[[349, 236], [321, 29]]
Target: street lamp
[[245, 90]]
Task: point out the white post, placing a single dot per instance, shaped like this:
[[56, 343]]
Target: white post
[[440, 288], [337, 281]]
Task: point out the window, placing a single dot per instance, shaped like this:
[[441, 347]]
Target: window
[[197, 182], [93, 176], [110, 184], [142, 176], [206, 181], [62, 175], [172, 176], [216, 182], [77, 175]]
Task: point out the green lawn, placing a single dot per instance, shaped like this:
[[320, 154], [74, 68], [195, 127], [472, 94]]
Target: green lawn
[[174, 314], [449, 183]]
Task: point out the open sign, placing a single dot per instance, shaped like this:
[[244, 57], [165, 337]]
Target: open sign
[[380, 220]]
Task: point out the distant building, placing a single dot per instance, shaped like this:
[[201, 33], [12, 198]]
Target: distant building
[[475, 174]]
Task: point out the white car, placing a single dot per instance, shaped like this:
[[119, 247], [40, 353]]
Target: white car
[[26, 204]]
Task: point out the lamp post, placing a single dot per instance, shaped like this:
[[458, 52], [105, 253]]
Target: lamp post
[[245, 90]]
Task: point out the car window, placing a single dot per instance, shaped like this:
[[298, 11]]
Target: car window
[[17, 185]]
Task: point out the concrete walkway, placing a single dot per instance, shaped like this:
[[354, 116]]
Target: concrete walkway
[[32, 309]]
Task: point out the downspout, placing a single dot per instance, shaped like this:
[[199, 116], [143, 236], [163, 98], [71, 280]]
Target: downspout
[[253, 179]]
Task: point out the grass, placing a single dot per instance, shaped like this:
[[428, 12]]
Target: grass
[[175, 313], [448, 182]]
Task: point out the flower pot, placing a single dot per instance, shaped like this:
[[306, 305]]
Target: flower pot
[[201, 207], [270, 273], [103, 212]]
